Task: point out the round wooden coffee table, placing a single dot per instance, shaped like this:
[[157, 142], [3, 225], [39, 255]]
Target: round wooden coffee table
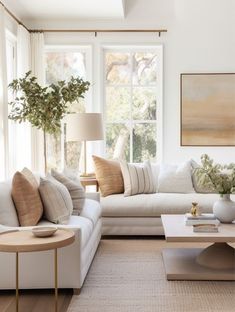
[[25, 241]]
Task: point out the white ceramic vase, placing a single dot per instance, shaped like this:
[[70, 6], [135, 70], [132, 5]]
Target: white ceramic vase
[[224, 209]]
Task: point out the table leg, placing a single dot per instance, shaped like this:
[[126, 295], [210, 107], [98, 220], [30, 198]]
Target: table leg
[[56, 280], [17, 282]]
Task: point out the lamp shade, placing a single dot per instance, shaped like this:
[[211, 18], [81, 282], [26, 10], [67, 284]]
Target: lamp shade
[[84, 127]]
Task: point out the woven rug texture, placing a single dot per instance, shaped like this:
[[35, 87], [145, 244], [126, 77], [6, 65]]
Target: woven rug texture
[[127, 275]]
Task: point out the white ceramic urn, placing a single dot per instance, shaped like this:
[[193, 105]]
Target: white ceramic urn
[[224, 209]]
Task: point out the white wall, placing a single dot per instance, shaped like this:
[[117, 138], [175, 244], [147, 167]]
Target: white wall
[[200, 38]]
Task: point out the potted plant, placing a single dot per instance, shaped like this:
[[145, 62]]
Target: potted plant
[[221, 179], [44, 107]]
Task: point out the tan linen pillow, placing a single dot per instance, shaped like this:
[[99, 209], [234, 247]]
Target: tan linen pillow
[[56, 200], [75, 189], [138, 179], [26, 199], [109, 176]]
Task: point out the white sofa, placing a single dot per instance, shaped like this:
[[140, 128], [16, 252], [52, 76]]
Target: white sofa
[[36, 269], [141, 214]]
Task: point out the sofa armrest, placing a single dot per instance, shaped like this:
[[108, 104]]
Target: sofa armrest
[[93, 195]]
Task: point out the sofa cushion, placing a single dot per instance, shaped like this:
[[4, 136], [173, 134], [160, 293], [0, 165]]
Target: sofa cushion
[[91, 210], [8, 215], [26, 198], [109, 176], [153, 205], [56, 200], [75, 222], [175, 179], [138, 179], [75, 189]]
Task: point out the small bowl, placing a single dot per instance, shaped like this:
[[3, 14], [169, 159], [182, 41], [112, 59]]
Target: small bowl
[[44, 231]]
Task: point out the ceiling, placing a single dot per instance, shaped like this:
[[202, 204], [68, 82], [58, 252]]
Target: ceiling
[[66, 9]]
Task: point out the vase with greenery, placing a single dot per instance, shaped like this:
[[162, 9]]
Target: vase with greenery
[[44, 107], [220, 179]]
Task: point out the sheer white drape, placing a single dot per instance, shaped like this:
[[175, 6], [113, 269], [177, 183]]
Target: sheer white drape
[[4, 150], [20, 134], [38, 70]]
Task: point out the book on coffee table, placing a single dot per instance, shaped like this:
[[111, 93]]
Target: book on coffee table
[[205, 228], [205, 218]]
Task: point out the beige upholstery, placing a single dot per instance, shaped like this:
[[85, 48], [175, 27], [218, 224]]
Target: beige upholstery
[[153, 205], [8, 215]]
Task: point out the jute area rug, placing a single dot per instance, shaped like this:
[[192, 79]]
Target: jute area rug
[[128, 276]]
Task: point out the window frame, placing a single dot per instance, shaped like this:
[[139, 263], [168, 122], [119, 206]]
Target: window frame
[[132, 48]]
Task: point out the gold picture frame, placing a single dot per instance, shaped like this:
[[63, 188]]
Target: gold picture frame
[[207, 109]]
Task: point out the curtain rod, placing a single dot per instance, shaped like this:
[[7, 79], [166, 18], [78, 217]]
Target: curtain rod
[[13, 16], [159, 31]]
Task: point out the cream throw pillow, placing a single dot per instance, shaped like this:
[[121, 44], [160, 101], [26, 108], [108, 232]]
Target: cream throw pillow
[[75, 189], [138, 179], [109, 176], [26, 198], [175, 179], [56, 200]]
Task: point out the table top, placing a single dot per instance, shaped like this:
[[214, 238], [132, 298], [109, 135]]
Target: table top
[[25, 241], [176, 231]]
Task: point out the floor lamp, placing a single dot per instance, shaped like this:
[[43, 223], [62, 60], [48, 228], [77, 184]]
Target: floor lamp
[[84, 127]]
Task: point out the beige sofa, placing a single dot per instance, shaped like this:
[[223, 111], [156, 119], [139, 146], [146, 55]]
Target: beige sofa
[[36, 269]]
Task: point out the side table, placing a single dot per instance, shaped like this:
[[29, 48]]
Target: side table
[[25, 241], [86, 181]]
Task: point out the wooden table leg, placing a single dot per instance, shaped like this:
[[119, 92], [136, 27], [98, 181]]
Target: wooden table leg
[[56, 280], [17, 282]]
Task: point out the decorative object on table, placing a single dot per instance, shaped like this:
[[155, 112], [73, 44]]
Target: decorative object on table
[[84, 127], [43, 231], [44, 107], [205, 228], [222, 179], [204, 218], [208, 109], [195, 209]]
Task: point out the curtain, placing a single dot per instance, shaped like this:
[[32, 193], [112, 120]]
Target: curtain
[[4, 150], [21, 133], [38, 70]]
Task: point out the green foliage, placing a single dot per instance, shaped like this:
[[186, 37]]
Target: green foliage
[[219, 177], [44, 107]]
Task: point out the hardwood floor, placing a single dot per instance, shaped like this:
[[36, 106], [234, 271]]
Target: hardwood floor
[[35, 300]]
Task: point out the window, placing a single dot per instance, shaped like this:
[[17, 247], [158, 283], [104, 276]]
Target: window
[[132, 98], [61, 64]]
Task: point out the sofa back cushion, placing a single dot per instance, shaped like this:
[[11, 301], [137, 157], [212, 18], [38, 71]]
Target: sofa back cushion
[[138, 179], [56, 200], [175, 179], [109, 176], [26, 198], [75, 189], [8, 215]]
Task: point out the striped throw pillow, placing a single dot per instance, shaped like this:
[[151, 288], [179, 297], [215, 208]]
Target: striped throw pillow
[[138, 179]]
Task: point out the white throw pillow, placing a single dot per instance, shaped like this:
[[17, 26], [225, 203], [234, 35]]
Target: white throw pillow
[[138, 179], [56, 199], [175, 179]]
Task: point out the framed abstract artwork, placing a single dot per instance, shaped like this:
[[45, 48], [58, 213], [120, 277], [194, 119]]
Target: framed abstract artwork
[[208, 109]]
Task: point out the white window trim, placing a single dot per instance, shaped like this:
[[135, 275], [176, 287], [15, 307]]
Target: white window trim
[[122, 47]]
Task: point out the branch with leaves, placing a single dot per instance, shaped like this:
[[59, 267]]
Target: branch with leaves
[[220, 178], [44, 107]]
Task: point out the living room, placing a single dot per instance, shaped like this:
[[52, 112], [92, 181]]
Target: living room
[[117, 140]]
